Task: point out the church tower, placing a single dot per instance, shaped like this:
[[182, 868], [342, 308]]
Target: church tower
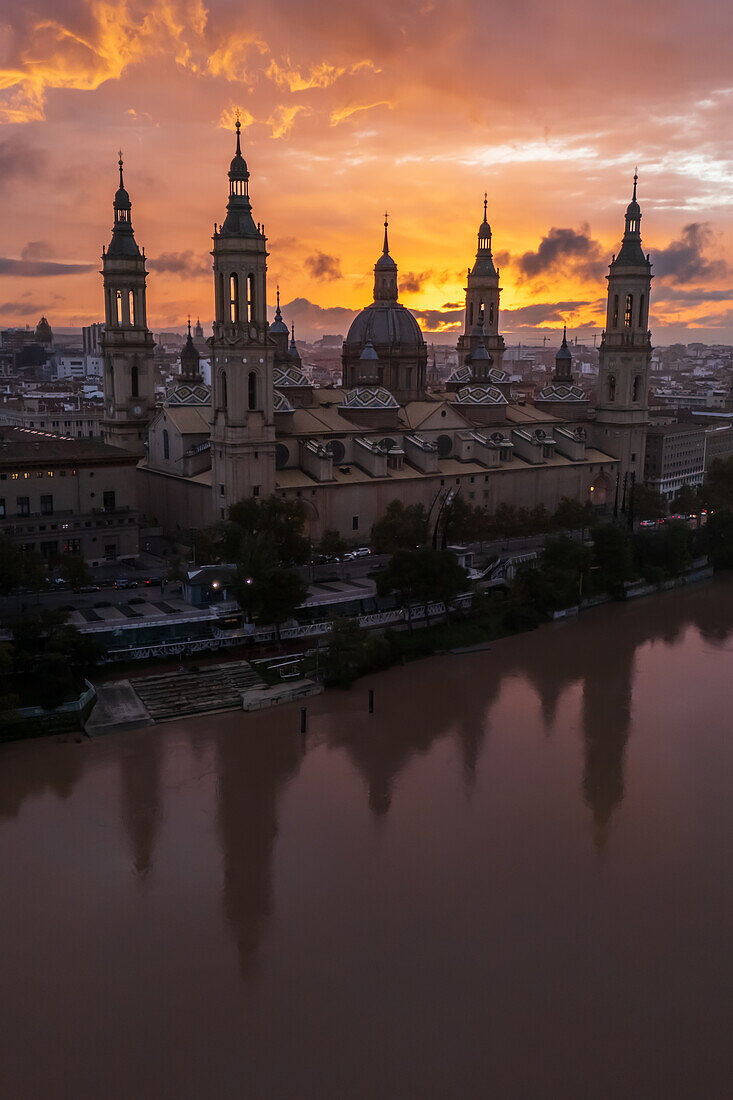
[[127, 343], [243, 430], [481, 324], [625, 354]]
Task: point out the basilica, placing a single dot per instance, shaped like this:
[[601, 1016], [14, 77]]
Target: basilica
[[346, 452]]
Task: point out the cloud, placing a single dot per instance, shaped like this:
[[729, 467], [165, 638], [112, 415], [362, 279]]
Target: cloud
[[540, 313], [231, 59], [33, 269], [413, 281], [320, 75], [19, 159], [439, 320], [282, 118], [685, 257], [323, 267], [692, 295], [38, 250], [573, 249], [181, 263], [22, 309], [340, 114]]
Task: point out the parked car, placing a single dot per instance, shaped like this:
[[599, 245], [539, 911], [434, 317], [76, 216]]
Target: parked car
[[87, 588], [360, 552], [123, 582], [648, 523]]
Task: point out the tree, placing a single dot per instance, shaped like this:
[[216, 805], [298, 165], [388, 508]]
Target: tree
[[718, 538], [74, 570], [648, 504], [281, 597], [11, 566], [687, 500], [400, 528], [614, 559], [664, 553], [206, 542], [345, 652], [332, 545], [175, 571], [424, 575], [33, 570], [460, 521], [573, 515], [283, 520], [718, 486]]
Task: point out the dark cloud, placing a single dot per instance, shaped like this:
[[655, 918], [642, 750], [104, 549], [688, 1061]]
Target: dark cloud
[[501, 259], [575, 249], [693, 295], [685, 258], [541, 313], [35, 269], [25, 309], [435, 320], [452, 305], [181, 263], [19, 160], [413, 281], [315, 319], [38, 250], [324, 267]]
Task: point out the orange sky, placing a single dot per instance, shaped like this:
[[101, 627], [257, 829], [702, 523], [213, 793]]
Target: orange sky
[[351, 109]]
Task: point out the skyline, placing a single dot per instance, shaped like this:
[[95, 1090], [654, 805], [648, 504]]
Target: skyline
[[398, 114]]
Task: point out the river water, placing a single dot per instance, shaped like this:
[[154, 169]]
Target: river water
[[513, 880]]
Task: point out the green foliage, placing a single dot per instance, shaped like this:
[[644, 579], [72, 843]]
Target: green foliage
[[51, 659], [400, 528], [280, 520], [345, 653], [664, 553], [332, 544], [265, 590], [648, 504], [573, 515], [717, 491], [717, 538], [73, 569], [280, 597], [33, 570], [206, 546], [423, 576], [687, 500], [613, 557]]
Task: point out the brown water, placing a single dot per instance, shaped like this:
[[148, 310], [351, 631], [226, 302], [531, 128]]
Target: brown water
[[513, 880]]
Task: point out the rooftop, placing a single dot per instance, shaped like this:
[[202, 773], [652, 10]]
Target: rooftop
[[29, 446]]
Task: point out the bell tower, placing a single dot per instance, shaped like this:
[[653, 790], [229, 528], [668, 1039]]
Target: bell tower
[[243, 429], [625, 354], [127, 343], [481, 324]]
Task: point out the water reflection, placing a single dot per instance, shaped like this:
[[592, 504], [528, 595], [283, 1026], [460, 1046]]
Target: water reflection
[[253, 766], [140, 780]]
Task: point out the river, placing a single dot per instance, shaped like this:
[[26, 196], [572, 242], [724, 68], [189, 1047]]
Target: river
[[512, 880]]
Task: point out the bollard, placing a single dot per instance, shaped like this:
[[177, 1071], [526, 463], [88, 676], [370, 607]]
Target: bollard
[[371, 700], [302, 719]]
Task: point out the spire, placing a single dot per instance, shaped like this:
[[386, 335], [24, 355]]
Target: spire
[[278, 314], [385, 250], [486, 201], [564, 360], [189, 326], [238, 129], [636, 176], [564, 336], [123, 242], [238, 222], [631, 252], [122, 182]]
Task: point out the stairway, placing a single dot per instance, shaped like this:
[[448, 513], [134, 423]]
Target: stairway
[[216, 687]]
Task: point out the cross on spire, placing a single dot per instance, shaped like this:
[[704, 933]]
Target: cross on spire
[[386, 225], [120, 164], [636, 176], [238, 127], [486, 201]]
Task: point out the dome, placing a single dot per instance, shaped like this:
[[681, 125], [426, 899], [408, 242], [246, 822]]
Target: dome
[[122, 199], [238, 167], [385, 325], [44, 335], [279, 326], [385, 263], [369, 352]]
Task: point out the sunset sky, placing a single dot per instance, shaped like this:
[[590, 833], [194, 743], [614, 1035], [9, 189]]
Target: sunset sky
[[355, 108]]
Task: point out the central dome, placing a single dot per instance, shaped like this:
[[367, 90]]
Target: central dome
[[386, 324]]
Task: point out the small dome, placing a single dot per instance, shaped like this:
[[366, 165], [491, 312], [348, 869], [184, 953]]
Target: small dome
[[122, 199], [385, 263], [369, 352], [238, 167], [481, 354], [279, 326]]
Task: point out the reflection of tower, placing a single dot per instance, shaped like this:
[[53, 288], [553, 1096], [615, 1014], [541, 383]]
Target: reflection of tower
[[624, 359], [606, 719], [127, 343], [32, 774], [140, 771], [252, 769]]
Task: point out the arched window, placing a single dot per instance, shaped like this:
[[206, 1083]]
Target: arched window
[[470, 314], [131, 306], [628, 310], [250, 298], [233, 298], [118, 299], [134, 381], [636, 391], [223, 390], [221, 309], [615, 311], [166, 444], [612, 387], [641, 311], [252, 390]]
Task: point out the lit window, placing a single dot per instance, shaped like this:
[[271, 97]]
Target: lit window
[[628, 310]]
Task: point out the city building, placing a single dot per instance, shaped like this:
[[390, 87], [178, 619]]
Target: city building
[[61, 495], [675, 456]]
